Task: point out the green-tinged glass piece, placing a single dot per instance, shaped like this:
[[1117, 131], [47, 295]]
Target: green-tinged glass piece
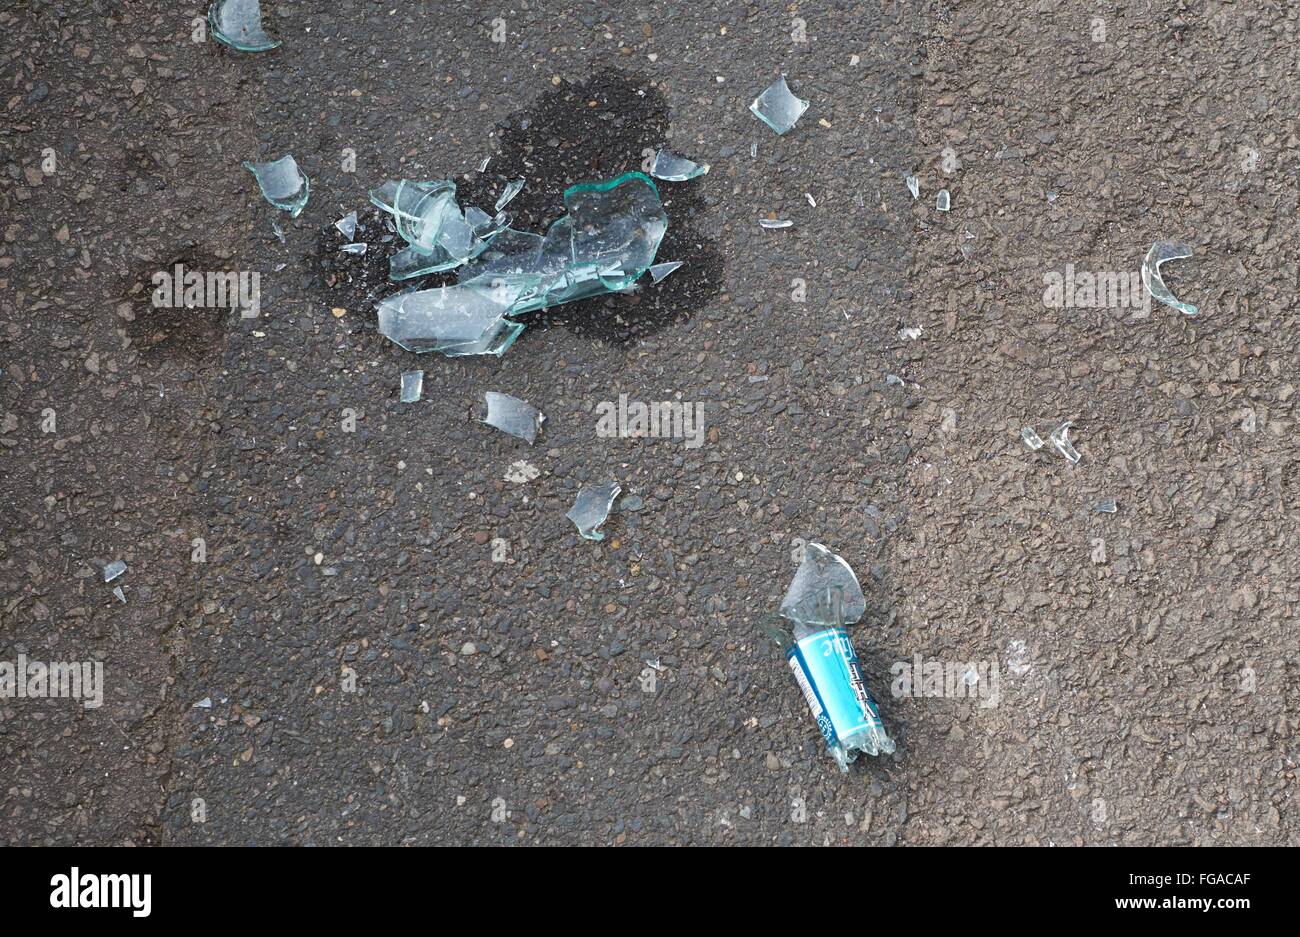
[[592, 508], [1160, 252], [439, 236], [778, 107], [238, 24], [513, 416], [607, 240], [282, 183], [461, 319], [511, 190], [673, 168]]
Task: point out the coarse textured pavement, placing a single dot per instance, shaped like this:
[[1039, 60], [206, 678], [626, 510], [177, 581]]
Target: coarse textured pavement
[[398, 645]]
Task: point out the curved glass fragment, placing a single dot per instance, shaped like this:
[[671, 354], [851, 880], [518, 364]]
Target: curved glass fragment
[[238, 24], [824, 591], [1160, 252], [282, 183]]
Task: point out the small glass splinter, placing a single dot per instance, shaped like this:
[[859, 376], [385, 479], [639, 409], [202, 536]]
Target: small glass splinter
[[659, 271], [943, 201], [1060, 439], [1105, 506], [347, 225], [513, 416], [914, 186], [673, 168], [771, 224], [1032, 439], [238, 24], [412, 386], [511, 190], [282, 183], [592, 508], [778, 107], [1160, 252]]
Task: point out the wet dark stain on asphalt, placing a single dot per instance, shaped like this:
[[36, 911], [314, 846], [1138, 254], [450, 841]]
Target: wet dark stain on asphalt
[[574, 132], [176, 333]]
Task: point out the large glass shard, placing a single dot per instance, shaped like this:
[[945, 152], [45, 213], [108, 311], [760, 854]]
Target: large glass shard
[[513, 416], [943, 201], [592, 508], [778, 107], [238, 24], [673, 168], [607, 240], [1031, 438], [113, 570], [511, 190], [412, 386], [1160, 252], [824, 591], [282, 183], [461, 319]]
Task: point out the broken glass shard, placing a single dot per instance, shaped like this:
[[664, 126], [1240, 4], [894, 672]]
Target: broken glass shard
[[673, 168], [113, 570], [772, 223], [1032, 439], [511, 190], [513, 416], [358, 249], [347, 225], [428, 218], [1105, 506], [461, 319], [659, 271], [914, 186], [777, 107], [943, 201], [282, 183], [606, 241], [1060, 439], [412, 386], [121, 596], [824, 591], [1160, 252], [238, 24], [592, 508]]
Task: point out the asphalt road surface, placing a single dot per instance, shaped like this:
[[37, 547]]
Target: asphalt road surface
[[349, 621]]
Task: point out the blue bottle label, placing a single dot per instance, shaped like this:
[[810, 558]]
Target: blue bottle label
[[826, 668]]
